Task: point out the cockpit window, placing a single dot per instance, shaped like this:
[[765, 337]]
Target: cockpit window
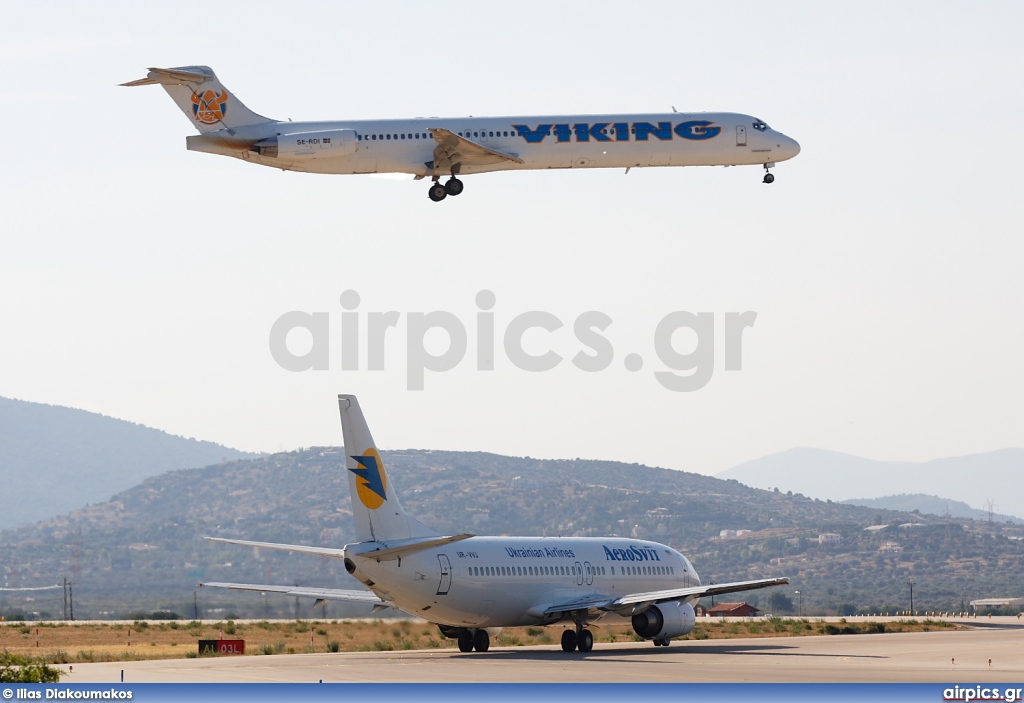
[[760, 126]]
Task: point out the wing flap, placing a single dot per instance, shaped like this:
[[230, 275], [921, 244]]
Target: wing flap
[[696, 591], [603, 602], [453, 149]]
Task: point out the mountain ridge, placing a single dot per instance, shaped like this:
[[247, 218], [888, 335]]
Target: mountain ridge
[[974, 479], [54, 459]]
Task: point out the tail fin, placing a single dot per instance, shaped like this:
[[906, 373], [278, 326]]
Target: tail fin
[[203, 99], [375, 508]]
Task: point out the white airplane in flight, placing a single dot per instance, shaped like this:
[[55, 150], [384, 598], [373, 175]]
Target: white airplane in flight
[[473, 586], [434, 147]]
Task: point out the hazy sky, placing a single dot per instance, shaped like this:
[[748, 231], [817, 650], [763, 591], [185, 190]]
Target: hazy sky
[[141, 280]]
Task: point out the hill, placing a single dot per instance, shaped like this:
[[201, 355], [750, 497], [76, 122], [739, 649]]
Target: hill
[[933, 505], [975, 479], [142, 551], [55, 459]]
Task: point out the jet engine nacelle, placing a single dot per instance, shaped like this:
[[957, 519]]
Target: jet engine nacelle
[[305, 146], [665, 621]]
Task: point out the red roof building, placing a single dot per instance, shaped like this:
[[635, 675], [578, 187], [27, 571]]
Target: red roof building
[[733, 610]]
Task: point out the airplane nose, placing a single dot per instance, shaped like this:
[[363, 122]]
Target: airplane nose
[[788, 146]]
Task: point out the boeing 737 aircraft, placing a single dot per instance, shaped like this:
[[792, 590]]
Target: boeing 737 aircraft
[[473, 586], [434, 147]]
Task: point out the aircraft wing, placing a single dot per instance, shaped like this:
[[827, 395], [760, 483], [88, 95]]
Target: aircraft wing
[[452, 149], [649, 597], [320, 551], [321, 594]]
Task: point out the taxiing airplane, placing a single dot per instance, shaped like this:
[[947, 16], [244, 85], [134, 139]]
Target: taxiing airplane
[[472, 586], [434, 147]]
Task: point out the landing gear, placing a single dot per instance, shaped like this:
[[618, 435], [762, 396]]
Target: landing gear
[[768, 177], [437, 192], [465, 641], [580, 638], [453, 186], [481, 640], [662, 643]]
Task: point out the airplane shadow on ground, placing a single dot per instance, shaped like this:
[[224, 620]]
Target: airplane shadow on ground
[[607, 654]]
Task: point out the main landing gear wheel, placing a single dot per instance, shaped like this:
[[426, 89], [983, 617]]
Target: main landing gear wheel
[[661, 643], [768, 178], [481, 640], [453, 186], [465, 641], [585, 640], [568, 641], [437, 192]]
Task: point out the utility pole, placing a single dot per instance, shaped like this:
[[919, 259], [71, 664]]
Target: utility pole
[[65, 598], [195, 606], [911, 598], [71, 599]]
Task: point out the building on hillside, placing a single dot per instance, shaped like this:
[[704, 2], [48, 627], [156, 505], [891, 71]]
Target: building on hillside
[[732, 610], [998, 603], [890, 548], [829, 538]]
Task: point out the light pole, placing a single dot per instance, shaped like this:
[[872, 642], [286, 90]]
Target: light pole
[[800, 609], [911, 598]]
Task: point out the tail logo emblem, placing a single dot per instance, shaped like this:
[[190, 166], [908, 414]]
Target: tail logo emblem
[[371, 481], [210, 107]]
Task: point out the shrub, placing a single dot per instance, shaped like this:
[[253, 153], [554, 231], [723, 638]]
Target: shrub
[[14, 669]]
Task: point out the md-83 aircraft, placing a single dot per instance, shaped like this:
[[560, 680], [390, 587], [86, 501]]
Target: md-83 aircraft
[[434, 147], [472, 586]]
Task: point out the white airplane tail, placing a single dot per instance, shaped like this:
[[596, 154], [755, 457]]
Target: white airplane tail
[[201, 96], [375, 508]]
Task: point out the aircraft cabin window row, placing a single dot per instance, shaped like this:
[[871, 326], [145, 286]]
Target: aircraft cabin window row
[[422, 135], [568, 571]]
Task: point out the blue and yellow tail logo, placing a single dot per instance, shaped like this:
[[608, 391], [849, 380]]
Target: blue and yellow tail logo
[[210, 107], [371, 481]]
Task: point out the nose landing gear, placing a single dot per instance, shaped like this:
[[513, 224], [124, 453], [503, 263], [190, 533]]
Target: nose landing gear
[[768, 177]]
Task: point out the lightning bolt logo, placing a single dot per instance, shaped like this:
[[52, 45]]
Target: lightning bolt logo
[[371, 479]]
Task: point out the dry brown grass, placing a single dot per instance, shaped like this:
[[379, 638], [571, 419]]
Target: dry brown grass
[[71, 642]]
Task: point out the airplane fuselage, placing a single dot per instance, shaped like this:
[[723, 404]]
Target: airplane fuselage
[[506, 581], [545, 142]]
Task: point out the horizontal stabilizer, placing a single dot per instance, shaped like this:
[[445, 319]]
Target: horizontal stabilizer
[[168, 76], [321, 594], [399, 552], [319, 551]]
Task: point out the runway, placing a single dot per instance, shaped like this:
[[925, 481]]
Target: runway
[[921, 657]]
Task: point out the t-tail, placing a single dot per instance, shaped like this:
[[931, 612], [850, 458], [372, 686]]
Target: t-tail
[[378, 515], [201, 96]]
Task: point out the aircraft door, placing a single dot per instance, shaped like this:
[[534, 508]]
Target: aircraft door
[[590, 572], [446, 575], [579, 574], [741, 135], [476, 135]]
